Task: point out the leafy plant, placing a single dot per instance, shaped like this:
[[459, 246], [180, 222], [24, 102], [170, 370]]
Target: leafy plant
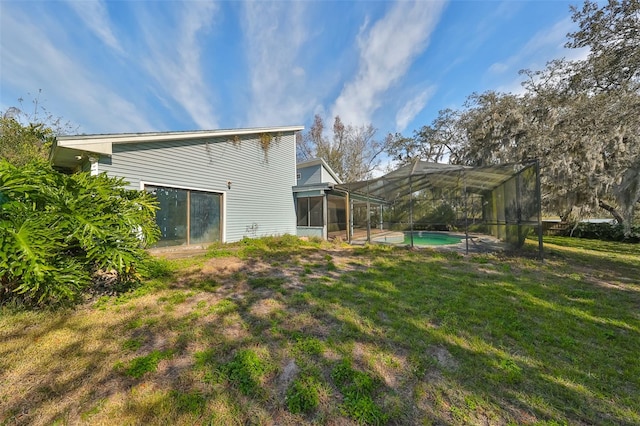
[[58, 233], [21, 143]]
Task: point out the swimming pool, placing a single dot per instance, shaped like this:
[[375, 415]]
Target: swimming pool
[[425, 238], [421, 238]]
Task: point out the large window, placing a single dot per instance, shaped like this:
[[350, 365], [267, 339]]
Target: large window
[[309, 211], [186, 216]]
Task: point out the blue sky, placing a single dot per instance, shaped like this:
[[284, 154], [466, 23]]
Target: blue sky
[[138, 66]]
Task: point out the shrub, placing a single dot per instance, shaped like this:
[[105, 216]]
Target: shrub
[[603, 231], [58, 231]]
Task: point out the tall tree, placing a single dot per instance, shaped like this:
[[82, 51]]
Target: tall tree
[[352, 152], [612, 34], [27, 135], [596, 107], [581, 119], [438, 142], [22, 144]]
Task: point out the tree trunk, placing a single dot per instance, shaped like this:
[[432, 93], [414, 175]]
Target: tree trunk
[[616, 215], [628, 195], [564, 216]]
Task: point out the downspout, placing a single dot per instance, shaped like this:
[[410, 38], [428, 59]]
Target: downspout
[[347, 215], [325, 214]]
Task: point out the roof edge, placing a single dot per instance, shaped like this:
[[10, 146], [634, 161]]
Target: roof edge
[[118, 138]]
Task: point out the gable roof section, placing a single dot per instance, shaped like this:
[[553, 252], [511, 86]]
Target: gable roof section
[[65, 148], [319, 161]]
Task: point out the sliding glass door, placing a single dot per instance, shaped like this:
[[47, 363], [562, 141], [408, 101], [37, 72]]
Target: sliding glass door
[[204, 217], [187, 216]]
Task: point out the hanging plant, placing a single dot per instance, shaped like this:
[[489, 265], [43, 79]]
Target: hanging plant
[[265, 141]]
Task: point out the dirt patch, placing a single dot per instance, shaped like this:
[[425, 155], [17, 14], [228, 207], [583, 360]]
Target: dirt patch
[[223, 265], [289, 373], [265, 307], [443, 357]]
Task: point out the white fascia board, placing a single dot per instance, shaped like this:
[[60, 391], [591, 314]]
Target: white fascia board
[[98, 147], [92, 140]]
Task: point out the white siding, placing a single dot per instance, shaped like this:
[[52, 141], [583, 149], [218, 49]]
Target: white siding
[[326, 176], [259, 202]]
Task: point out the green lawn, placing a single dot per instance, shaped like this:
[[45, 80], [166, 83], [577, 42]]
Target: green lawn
[[279, 331]]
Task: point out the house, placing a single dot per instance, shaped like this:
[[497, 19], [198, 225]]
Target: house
[[322, 210], [212, 186]]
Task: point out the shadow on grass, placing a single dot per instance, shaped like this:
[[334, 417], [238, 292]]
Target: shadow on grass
[[447, 339], [518, 344]]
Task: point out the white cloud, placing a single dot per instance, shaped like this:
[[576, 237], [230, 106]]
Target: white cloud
[[175, 60], [32, 60], [94, 14], [275, 34], [386, 53], [409, 111]]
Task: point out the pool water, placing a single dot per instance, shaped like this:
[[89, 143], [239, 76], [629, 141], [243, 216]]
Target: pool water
[[422, 238]]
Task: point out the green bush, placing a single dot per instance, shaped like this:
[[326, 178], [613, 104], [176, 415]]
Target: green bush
[[58, 232], [603, 231]]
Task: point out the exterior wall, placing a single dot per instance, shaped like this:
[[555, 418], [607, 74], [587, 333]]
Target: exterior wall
[[259, 201], [326, 177], [314, 174], [310, 175]]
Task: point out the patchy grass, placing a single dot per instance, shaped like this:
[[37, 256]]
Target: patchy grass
[[283, 331], [141, 365], [303, 395]]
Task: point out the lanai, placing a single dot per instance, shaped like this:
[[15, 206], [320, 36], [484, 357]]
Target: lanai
[[499, 200]]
